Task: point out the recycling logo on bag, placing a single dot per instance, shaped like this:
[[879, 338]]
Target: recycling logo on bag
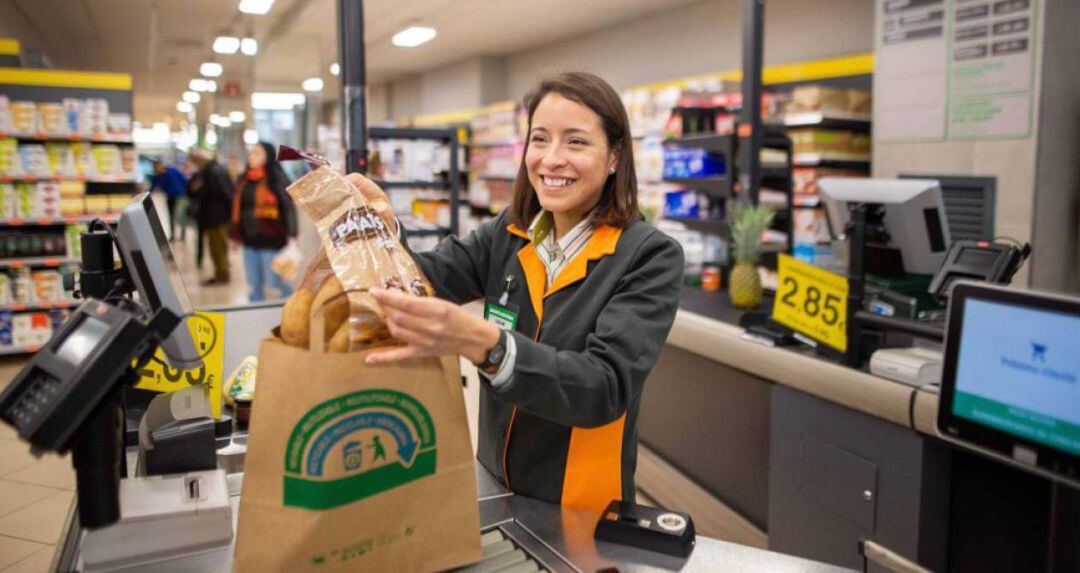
[[355, 446]]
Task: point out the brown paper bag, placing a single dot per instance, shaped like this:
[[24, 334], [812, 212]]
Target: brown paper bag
[[356, 467]]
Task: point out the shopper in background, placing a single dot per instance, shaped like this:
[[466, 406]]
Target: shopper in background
[[212, 199], [580, 295], [172, 182], [263, 218]]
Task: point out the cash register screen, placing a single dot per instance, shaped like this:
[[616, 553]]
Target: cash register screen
[[1018, 371], [82, 341]]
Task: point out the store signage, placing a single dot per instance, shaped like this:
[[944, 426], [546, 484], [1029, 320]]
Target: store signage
[[812, 301], [208, 332]]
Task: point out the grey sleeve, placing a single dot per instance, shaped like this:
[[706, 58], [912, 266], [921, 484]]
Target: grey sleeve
[[595, 386], [457, 266]]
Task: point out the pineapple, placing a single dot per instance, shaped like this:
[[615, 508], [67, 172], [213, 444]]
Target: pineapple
[[749, 222]]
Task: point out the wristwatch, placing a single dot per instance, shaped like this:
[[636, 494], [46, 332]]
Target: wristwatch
[[495, 356]]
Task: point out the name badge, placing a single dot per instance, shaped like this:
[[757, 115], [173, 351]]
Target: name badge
[[504, 317]]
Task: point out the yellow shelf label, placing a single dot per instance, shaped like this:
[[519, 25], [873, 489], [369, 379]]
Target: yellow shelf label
[[208, 331], [812, 301]]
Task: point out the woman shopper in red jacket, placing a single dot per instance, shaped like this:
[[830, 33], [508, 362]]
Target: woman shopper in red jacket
[[263, 219]]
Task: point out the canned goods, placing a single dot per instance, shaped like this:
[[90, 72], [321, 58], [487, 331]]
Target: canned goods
[[710, 278]]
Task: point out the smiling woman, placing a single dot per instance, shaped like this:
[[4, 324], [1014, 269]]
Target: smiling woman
[[564, 360]]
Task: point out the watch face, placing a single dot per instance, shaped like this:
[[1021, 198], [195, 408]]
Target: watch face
[[496, 354]]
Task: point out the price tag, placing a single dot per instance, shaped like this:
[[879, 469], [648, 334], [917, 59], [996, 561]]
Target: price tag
[[812, 301], [208, 331]]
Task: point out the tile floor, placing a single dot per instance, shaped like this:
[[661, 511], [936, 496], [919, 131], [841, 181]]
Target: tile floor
[[36, 493]]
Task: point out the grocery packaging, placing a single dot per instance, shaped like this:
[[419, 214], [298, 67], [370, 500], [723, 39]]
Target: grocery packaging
[[10, 162], [5, 114], [240, 385], [24, 117], [105, 161], [51, 118]]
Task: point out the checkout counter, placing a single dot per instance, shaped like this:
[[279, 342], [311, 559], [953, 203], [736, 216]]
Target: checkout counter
[[556, 538]]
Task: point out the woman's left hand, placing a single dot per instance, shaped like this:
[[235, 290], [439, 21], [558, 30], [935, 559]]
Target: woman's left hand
[[431, 326]]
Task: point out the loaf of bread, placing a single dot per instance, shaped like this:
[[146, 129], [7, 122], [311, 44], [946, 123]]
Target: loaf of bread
[[361, 253]]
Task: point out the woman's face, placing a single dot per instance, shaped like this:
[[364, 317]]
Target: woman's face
[[568, 158], [256, 157]]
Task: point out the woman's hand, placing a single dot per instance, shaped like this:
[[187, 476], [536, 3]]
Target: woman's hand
[[377, 198], [431, 326]]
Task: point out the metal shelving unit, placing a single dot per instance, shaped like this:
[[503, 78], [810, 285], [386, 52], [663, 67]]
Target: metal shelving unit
[[453, 185]]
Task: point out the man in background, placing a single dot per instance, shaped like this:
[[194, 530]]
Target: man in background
[[212, 191], [170, 180]]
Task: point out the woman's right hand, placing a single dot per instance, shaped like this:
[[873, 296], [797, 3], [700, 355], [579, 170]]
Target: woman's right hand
[[377, 198]]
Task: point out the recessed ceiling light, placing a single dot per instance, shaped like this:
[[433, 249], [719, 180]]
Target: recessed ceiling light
[[226, 45], [215, 118], [249, 46], [211, 137], [211, 86], [312, 85], [199, 85], [237, 116], [335, 69], [191, 97], [184, 107], [251, 137], [271, 100], [255, 6], [211, 69], [413, 36]]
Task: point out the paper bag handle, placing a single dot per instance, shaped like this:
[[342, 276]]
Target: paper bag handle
[[316, 335]]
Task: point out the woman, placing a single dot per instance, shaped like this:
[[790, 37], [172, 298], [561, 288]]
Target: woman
[[583, 293], [263, 219]]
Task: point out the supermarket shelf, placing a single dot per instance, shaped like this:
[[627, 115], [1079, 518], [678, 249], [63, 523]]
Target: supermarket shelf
[[74, 220], [713, 143], [57, 179], [838, 120], [496, 177], [36, 262], [703, 225], [855, 160], [48, 137], [21, 307], [775, 172], [413, 184], [16, 350], [801, 200], [718, 186], [411, 133]]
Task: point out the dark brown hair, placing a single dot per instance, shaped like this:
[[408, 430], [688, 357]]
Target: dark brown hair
[[618, 201]]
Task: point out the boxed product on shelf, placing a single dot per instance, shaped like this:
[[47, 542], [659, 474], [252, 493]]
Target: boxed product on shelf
[[48, 286], [51, 119], [9, 204], [118, 124], [72, 206], [61, 158], [681, 204], [57, 318], [93, 121], [72, 189], [117, 202], [129, 163], [815, 140], [822, 98], [46, 202], [82, 156], [649, 159], [72, 111], [97, 204], [6, 295], [7, 319], [73, 242], [805, 179], [35, 162], [683, 163], [105, 161], [22, 287], [24, 117], [5, 114], [10, 161], [31, 329], [24, 200]]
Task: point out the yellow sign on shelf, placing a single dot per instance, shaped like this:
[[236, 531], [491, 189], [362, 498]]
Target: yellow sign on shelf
[[208, 331], [812, 301]]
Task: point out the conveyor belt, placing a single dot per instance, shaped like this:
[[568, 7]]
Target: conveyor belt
[[503, 555]]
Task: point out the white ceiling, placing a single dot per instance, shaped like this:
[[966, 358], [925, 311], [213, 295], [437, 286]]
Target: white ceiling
[[162, 42]]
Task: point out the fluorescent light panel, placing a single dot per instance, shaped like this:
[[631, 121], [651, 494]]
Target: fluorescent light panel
[[413, 36], [211, 69], [226, 45], [249, 46], [312, 85], [191, 97], [184, 107], [255, 6], [199, 85], [251, 137], [335, 69], [237, 116]]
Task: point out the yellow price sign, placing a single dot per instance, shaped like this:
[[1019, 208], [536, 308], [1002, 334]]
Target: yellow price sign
[[208, 332], [812, 301]]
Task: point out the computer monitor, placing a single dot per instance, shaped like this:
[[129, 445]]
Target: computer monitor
[[1010, 382], [914, 215], [150, 262]]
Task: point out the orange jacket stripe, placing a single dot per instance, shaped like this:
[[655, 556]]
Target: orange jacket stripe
[[594, 467]]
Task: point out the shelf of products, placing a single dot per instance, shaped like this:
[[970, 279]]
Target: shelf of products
[[831, 119], [15, 263], [424, 164], [834, 159], [119, 138], [716, 186]]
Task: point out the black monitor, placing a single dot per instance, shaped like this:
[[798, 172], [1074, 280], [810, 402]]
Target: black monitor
[[1010, 385]]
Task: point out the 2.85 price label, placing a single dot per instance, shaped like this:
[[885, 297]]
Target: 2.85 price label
[[812, 301]]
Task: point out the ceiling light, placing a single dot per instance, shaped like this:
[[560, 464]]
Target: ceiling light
[[312, 85], [249, 46], [215, 118], [211, 137], [335, 69], [226, 45], [211, 69], [251, 137], [185, 107], [211, 86], [199, 85], [255, 6], [413, 36], [191, 97], [237, 116], [270, 100]]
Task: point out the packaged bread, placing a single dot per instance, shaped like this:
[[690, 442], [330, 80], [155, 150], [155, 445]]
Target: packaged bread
[[362, 253]]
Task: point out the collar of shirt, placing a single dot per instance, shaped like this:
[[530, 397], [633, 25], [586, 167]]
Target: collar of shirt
[[555, 254]]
